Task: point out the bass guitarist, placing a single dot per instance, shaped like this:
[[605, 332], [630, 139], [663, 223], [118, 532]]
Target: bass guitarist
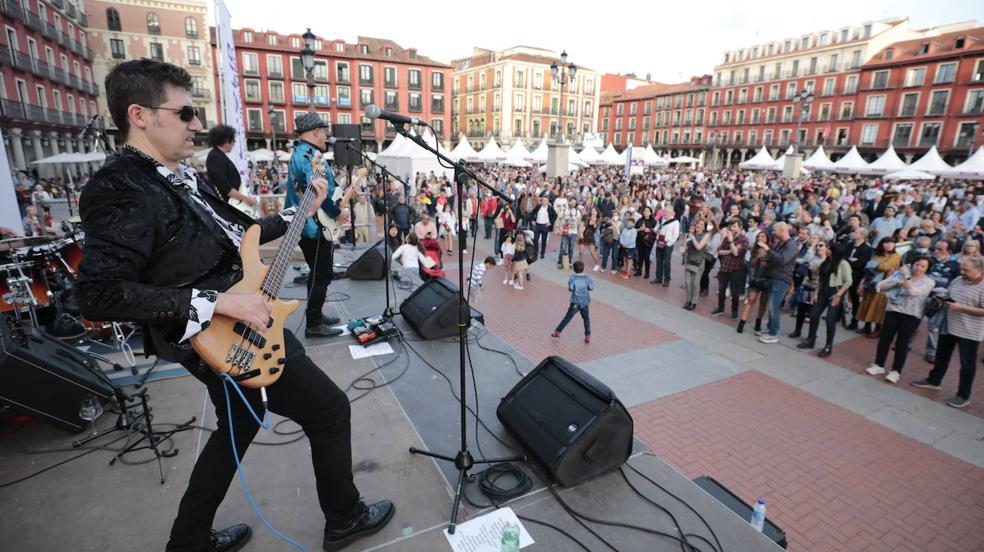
[[161, 247], [312, 135]]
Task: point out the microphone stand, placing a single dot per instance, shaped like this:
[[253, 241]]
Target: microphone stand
[[388, 313], [463, 460]]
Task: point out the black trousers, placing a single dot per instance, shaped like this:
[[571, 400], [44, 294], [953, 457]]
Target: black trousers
[[320, 256], [896, 324], [705, 275], [734, 279], [825, 301], [968, 362], [571, 311], [304, 394], [645, 263], [540, 233]]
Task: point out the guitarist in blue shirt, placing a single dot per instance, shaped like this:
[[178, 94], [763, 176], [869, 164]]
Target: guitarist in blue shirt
[[312, 135]]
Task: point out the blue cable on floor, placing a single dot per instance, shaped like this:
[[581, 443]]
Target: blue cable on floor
[[235, 455]]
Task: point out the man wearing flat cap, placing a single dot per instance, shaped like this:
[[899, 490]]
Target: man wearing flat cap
[[312, 134]]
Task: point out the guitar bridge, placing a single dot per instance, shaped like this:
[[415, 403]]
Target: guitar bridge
[[240, 357]]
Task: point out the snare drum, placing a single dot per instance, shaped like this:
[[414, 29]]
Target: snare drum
[[14, 278]]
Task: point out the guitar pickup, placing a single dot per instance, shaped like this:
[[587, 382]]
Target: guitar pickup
[[253, 337]]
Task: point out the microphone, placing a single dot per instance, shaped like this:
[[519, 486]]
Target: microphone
[[374, 112], [333, 140]]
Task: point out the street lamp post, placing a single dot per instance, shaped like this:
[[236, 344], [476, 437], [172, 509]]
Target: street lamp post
[[273, 131], [804, 99], [307, 60], [562, 77]]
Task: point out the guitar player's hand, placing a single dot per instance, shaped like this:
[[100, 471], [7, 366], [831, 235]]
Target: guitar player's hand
[[321, 185], [251, 308]]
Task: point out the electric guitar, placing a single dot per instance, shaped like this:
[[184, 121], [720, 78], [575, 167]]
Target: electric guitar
[[252, 210], [229, 346], [331, 228]]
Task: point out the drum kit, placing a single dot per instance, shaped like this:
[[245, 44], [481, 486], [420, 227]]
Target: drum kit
[[37, 287]]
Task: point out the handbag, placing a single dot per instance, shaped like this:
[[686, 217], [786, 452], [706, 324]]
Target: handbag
[[499, 224]]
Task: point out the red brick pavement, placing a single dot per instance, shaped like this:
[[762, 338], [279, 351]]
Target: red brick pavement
[[526, 318], [831, 479]]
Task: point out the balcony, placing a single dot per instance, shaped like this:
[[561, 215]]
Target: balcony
[[437, 87], [390, 84], [414, 86], [395, 106], [57, 3], [62, 38], [279, 75], [12, 9], [49, 31], [191, 34], [976, 110], [76, 47], [32, 20], [83, 19], [365, 82], [252, 71], [18, 111], [343, 79], [70, 10], [206, 94]]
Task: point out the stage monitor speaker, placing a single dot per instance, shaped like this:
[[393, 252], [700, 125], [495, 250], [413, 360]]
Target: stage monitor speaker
[[344, 157], [570, 422], [371, 265], [432, 309], [47, 379]]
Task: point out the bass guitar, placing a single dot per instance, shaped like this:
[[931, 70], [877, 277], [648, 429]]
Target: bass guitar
[[230, 346]]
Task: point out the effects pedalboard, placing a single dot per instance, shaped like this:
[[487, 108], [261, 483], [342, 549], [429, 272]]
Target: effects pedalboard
[[368, 331]]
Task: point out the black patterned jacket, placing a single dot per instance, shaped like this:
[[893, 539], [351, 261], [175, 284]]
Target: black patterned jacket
[[147, 246]]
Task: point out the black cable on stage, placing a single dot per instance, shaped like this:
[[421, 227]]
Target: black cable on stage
[[555, 528], [673, 518], [576, 516], [62, 463], [680, 500]]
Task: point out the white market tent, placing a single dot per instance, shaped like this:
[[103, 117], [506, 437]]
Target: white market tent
[[909, 173], [760, 161], [265, 155], [491, 153], [780, 164], [517, 156], [590, 156], [818, 161], [611, 157], [574, 159], [971, 169], [463, 151], [889, 162], [851, 162], [396, 146], [932, 163], [411, 159], [684, 159], [539, 153], [650, 157]]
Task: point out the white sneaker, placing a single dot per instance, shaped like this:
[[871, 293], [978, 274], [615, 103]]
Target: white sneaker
[[892, 376], [519, 287], [769, 339], [596, 268], [760, 333], [613, 272], [499, 262], [505, 282], [876, 370]]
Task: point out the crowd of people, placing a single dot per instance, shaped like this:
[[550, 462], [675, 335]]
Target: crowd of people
[[859, 253]]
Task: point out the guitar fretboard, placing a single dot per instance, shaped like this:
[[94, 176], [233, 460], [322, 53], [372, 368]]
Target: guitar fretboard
[[281, 261]]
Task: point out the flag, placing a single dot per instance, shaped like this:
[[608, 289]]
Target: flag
[[232, 99]]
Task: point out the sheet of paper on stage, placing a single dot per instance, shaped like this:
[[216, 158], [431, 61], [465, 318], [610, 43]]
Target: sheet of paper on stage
[[376, 349], [484, 534]]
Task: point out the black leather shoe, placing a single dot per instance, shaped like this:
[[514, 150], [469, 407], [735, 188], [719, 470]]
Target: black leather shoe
[[330, 320], [371, 518], [321, 330], [229, 540]]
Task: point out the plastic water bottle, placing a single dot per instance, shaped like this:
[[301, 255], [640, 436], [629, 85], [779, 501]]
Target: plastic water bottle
[[758, 515], [510, 537]]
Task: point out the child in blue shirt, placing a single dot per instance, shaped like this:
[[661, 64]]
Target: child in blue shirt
[[580, 285]]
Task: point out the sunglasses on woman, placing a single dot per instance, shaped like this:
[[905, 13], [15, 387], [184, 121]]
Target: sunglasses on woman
[[186, 112]]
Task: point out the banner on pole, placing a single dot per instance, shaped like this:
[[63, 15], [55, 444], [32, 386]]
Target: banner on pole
[[232, 99]]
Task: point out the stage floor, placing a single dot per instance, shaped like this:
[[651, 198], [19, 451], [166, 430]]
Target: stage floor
[[89, 505]]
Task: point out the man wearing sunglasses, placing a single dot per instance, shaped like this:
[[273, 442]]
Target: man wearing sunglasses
[[161, 247]]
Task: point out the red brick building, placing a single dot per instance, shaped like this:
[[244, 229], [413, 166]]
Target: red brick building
[[47, 91], [920, 93], [670, 117], [347, 77]]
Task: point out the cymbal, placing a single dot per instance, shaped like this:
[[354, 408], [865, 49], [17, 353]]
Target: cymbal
[[20, 243]]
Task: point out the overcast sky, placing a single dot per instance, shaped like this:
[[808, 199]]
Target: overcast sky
[[671, 40]]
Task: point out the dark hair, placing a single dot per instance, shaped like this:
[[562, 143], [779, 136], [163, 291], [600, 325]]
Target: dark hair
[[838, 251], [141, 81], [490, 260], [220, 135], [929, 262], [880, 248], [578, 267]]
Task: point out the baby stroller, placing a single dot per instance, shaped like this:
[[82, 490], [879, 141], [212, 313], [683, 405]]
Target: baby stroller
[[432, 248]]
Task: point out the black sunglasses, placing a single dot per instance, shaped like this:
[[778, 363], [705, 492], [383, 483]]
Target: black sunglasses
[[186, 112]]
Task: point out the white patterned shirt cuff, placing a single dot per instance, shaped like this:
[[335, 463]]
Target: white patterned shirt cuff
[[288, 214], [200, 312]]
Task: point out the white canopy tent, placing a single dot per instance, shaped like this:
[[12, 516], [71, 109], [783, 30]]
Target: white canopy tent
[[411, 159], [517, 156], [909, 173], [684, 159], [889, 162], [611, 157], [396, 146], [851, 162], [491, 153], [650, 157], [60, 158], [971, 169], [760, 161], [539, 153], [818, 161], [590, 156], [266, 156], [932, 163], [780, 163], [463, 151], [575, 159]]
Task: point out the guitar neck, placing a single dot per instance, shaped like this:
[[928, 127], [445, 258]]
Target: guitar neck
[[281, 261]]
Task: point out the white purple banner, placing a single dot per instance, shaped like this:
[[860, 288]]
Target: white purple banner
[[232, 99]]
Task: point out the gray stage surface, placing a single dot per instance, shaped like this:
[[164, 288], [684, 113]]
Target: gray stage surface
[[89, 505]]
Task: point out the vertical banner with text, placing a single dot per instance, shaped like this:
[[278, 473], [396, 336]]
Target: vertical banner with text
[[232, 99]]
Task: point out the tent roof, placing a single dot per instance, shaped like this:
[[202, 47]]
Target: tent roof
[[539, 153], [395, 146], [972, 168], [761, 160], [492, 152], [407, 148], [909, 173], [819, 160], [517, 156], [650, 157], [851, 162], [888, 162], [590, 155], [932, 163], [611, 157], [463, 151]]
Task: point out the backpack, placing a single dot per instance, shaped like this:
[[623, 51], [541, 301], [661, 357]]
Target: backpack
[[608, 235]]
